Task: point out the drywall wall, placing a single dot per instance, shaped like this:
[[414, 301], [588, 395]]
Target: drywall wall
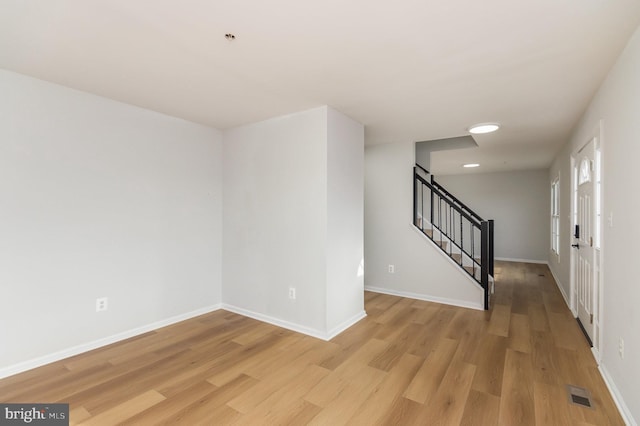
[[100, 199], [616, 106], [425, 148], [560, 263], [275, 218], [517, 201], [345, 220], [293, 219], [421, 269]]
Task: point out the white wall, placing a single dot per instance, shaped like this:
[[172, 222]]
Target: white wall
[[345, 220], [282, 230], [100, 199], [103, 199], [275, 217], [421, 269], [425, 148], [617, 104], [560, 264], [518, 202]]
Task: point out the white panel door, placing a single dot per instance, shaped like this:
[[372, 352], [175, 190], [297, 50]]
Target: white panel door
[[584, 238]]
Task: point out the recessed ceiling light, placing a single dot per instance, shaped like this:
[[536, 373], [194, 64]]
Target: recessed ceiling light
[[229, 36], [470, 165], [478, 129]]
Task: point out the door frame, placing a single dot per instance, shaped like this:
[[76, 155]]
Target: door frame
[[597, 252]]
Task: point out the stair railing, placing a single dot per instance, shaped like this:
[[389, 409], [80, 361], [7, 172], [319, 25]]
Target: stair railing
[[455, 228]]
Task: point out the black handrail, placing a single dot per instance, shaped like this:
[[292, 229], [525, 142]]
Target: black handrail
[[463, 211], [445, 224], [423, 169], [450, 195], [455, 200]]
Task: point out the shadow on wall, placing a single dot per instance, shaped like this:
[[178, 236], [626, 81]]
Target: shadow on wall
[[425, 148]]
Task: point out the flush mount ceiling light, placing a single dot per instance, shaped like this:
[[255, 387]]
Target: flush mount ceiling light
[[478, 129], [471, 165]]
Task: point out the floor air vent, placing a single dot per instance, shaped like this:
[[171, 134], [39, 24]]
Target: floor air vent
[[579, 396]]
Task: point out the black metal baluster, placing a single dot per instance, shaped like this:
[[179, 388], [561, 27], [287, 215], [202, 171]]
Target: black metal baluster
[[422, 207], [473, 243], [490, 236], [461, 240], [451, 238], [431, 204], [415, 196], [439, 214]]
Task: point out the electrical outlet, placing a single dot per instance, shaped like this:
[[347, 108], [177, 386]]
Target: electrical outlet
[[392, 269], [102, 304], [621, 347], [292, 293]]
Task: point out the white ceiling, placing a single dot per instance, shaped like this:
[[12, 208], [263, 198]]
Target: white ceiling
[[409, 70]]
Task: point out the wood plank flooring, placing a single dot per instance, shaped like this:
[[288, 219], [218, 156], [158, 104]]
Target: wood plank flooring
[[408, 363]]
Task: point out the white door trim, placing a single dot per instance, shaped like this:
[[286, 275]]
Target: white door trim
[[597, 134], [573, 295]]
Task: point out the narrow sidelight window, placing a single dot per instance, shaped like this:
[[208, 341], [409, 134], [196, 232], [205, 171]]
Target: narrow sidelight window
[[555, 216]]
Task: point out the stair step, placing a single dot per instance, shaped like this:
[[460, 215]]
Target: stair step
[[470, 269], [429, 232], [442, 244], [457, 257]]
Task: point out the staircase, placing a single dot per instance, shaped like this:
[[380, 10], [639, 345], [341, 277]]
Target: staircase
[[454, 228]]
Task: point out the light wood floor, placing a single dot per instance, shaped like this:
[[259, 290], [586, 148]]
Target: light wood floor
[[408, 363]]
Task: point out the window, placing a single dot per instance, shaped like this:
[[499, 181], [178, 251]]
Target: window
[[585, 171], [555, 216], [598, 174], [574, 205]]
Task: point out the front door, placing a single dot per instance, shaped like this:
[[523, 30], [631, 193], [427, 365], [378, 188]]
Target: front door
[[584, 237]]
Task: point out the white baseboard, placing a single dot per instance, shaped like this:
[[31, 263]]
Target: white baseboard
[[276, 321], [617, 398], [613, 389], [85, 347], [510, 259], [346, 324], [313, 332], [460, 303], [564, 294]]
